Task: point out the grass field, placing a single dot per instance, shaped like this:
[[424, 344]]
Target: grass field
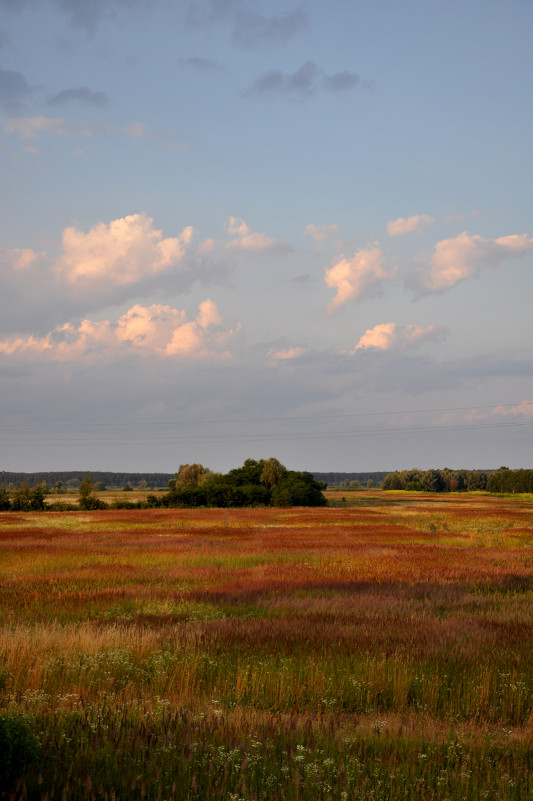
[[377, 649]]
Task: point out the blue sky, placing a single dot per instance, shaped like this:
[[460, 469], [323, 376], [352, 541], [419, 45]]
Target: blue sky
[[231, 228]]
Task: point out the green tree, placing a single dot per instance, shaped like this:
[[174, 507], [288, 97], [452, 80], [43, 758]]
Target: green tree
[[87, 499], [272, 472], [5, 503], [189, 475], [21, 499]]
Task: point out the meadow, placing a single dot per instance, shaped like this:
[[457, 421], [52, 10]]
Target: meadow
[[380, 648]]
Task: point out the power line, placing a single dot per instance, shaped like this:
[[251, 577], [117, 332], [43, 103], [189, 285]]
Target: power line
[[242, 420], [241, 438]]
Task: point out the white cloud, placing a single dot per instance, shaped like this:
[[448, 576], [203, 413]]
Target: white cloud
[[385, 336], [360, 275], [150, 330], [456, 259], [321, 232], [121, 253], [246, 239], [409, 225]]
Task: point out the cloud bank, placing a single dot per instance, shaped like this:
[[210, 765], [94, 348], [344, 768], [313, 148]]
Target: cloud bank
[[143, 330], [111, 263]]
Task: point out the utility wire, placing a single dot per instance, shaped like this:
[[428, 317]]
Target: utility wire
[[236, 438], [242, 420]]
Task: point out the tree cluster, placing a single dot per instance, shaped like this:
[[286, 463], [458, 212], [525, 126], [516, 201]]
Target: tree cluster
[[23, 499], [257, 483], [445, 480], [506, 480]]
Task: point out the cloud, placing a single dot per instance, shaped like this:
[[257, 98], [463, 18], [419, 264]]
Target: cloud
[[14, 89], [18, 258], [306, 81], [356, 277], [341, 81], [248, 240], [457, 259], [409, 225], [251, 29], [248, 27], [285, 355], [150, 330], [81, 94], [108, 264], [207, 65], [321, 232], [123, 252], [389, 335], [86, 14], [455, 218], [522, 411], [31, 127]]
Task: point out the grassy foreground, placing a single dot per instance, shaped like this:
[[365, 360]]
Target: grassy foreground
[[377, 651]]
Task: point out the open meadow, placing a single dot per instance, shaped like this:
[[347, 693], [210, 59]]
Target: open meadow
[[380, 648]]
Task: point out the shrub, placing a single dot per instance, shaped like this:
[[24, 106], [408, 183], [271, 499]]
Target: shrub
[[19, 748]]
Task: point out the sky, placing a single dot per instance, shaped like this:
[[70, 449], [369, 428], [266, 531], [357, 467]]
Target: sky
[[236, 229]]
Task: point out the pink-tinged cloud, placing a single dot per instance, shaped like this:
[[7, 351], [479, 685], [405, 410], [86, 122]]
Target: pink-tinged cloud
[[409, 225], [321, 232], [455, 218], [285, 355], [455, 260], [146, 330], [124, 252], [19, 258], [247, 240], [31, 127], [386, 336], [522, 411], [361, 275]]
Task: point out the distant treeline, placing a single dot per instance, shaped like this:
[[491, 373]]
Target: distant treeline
[[501, 480], [72, 479], [351, 480]]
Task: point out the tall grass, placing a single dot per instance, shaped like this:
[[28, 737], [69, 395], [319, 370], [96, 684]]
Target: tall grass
[[380, 652]]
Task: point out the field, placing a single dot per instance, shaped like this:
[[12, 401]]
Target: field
[[380, 648]]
